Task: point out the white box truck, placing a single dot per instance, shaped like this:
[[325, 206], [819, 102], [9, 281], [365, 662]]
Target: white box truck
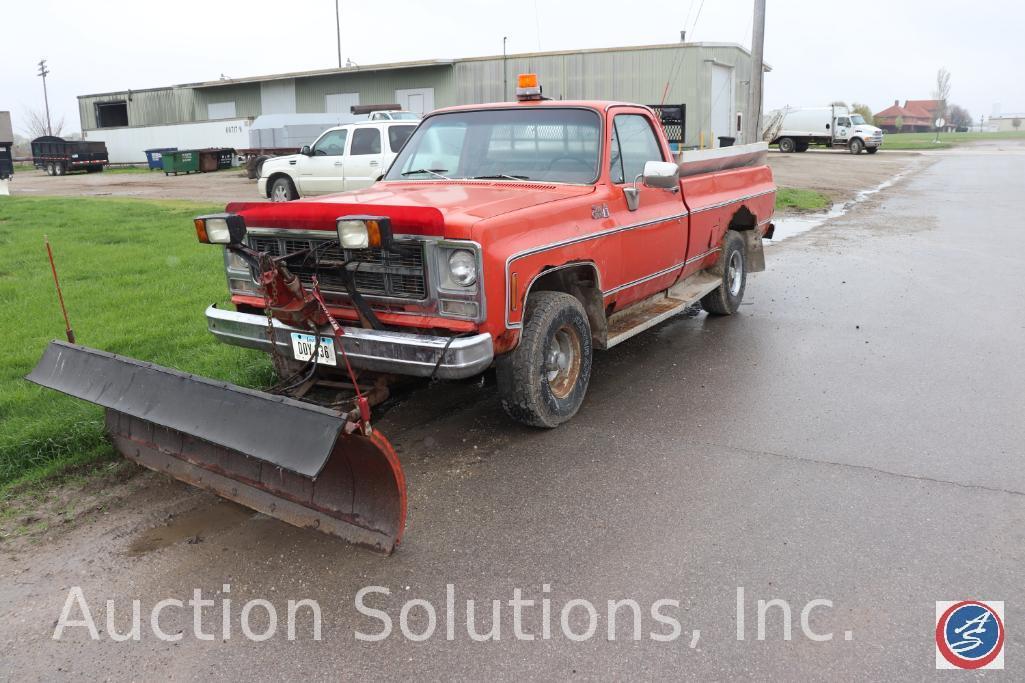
[[794, 129]]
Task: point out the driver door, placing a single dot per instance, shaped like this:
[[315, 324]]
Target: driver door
[[658, 243], [843, 128], [324, 170]]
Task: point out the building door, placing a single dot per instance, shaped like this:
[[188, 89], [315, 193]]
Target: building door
[[340, 103], [420, 100], [721, 117], [277, 97]]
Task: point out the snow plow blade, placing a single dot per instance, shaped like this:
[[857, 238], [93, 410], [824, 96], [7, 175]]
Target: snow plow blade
[[285, 458]]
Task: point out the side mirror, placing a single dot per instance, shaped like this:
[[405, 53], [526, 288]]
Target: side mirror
[[306, 151], [661, 174]]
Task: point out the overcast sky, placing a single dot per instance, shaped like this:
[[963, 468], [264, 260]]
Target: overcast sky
[[871, 52]]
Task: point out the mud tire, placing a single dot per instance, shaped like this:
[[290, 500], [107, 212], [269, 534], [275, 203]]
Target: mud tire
[[524, 386], [726, 298]]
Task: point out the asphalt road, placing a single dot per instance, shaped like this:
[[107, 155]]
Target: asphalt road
[[854, 434]]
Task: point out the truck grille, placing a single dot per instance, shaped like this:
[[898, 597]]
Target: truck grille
[[376, 272]]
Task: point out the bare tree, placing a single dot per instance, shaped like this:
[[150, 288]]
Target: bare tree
[[838, 103], [1016, 123], [959, 116], [898, 123], [34, 124], [942, 91]]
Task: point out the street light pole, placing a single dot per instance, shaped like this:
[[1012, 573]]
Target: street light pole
[[754, 109], [44, 72], [338, 31]]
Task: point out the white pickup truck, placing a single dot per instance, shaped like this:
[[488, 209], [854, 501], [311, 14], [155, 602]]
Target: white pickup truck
[[346, 157]]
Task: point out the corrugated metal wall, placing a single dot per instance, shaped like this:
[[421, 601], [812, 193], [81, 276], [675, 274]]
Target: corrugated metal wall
[[632, 75], [145, 107], [627, 75], [246, 97], [374, 87]]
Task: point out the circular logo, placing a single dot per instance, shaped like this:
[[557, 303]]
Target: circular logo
[[970, 634]]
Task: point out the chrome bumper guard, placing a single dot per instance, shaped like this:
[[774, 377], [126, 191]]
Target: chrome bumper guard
[[401, 353]]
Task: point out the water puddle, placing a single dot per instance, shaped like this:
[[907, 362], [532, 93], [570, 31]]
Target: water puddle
[[788, 226], [191, 527]]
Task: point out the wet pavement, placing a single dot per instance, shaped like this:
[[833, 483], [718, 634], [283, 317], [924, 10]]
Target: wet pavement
[[855, 434]]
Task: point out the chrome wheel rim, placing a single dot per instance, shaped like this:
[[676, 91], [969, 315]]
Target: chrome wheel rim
[[279, 193], [735, 273], [562, 361]]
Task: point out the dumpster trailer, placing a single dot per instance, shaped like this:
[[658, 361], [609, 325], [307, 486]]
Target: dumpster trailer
[[58, 156]]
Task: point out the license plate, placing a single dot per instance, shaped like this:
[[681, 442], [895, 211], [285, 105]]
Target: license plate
[[304, 344]]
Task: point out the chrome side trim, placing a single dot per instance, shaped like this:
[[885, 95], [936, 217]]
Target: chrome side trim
[[732, 201], [664, 271], [567, 242]]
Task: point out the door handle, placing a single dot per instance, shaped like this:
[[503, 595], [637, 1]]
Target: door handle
[[339, 163], [375, 163]]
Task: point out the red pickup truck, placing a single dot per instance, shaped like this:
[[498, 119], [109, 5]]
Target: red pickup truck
[[521, 235]]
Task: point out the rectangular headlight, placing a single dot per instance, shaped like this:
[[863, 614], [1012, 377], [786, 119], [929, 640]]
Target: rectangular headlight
[[220, 228], [361, 232]]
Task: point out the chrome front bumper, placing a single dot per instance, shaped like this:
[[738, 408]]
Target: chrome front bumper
[[401, 353]]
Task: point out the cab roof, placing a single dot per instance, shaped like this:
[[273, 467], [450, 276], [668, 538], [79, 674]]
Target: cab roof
[[597, 105]]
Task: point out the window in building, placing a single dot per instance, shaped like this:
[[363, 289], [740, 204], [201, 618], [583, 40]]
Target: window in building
[[633, 145], [331, 143], [220, 110], [366, 141], [111, 114]]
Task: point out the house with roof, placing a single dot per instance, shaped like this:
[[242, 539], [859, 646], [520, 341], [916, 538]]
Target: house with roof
[[914, 117]]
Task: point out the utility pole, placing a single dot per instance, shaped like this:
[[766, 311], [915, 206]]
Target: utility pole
[[44, 72], [505, 72], [338, 31], [754, 108]]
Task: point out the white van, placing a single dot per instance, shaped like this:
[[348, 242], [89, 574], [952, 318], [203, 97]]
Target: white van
[[348, 157]]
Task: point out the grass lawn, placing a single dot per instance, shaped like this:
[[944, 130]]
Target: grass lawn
[[797, 199], [135, 281], [928, 140]]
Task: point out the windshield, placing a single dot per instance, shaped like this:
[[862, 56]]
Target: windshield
[[857, 120], [545, 144]]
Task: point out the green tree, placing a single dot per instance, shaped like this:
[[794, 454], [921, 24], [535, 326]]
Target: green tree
[[1016, 122], [865, 112], [899, 123]]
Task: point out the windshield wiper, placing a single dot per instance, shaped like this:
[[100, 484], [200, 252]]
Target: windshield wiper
[[432, 171], [500, 176]]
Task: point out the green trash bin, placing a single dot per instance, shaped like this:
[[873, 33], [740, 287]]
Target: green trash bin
[[181, 161]]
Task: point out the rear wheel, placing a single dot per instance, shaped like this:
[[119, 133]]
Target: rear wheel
[[542, 382], [787, 145], [732, 267], [51, 169], [59, 169], [282, 190], [856, 146]]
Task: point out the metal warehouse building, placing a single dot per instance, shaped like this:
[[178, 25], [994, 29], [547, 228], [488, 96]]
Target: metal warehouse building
[[711, 79]]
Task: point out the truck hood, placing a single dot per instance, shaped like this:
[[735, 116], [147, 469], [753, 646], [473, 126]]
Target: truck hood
[[438, 208], [275, 163]]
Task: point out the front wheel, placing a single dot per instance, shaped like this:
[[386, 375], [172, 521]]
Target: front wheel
[[787, 145], [856, 146], [542, 382], [732, 267], [282, 190]]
